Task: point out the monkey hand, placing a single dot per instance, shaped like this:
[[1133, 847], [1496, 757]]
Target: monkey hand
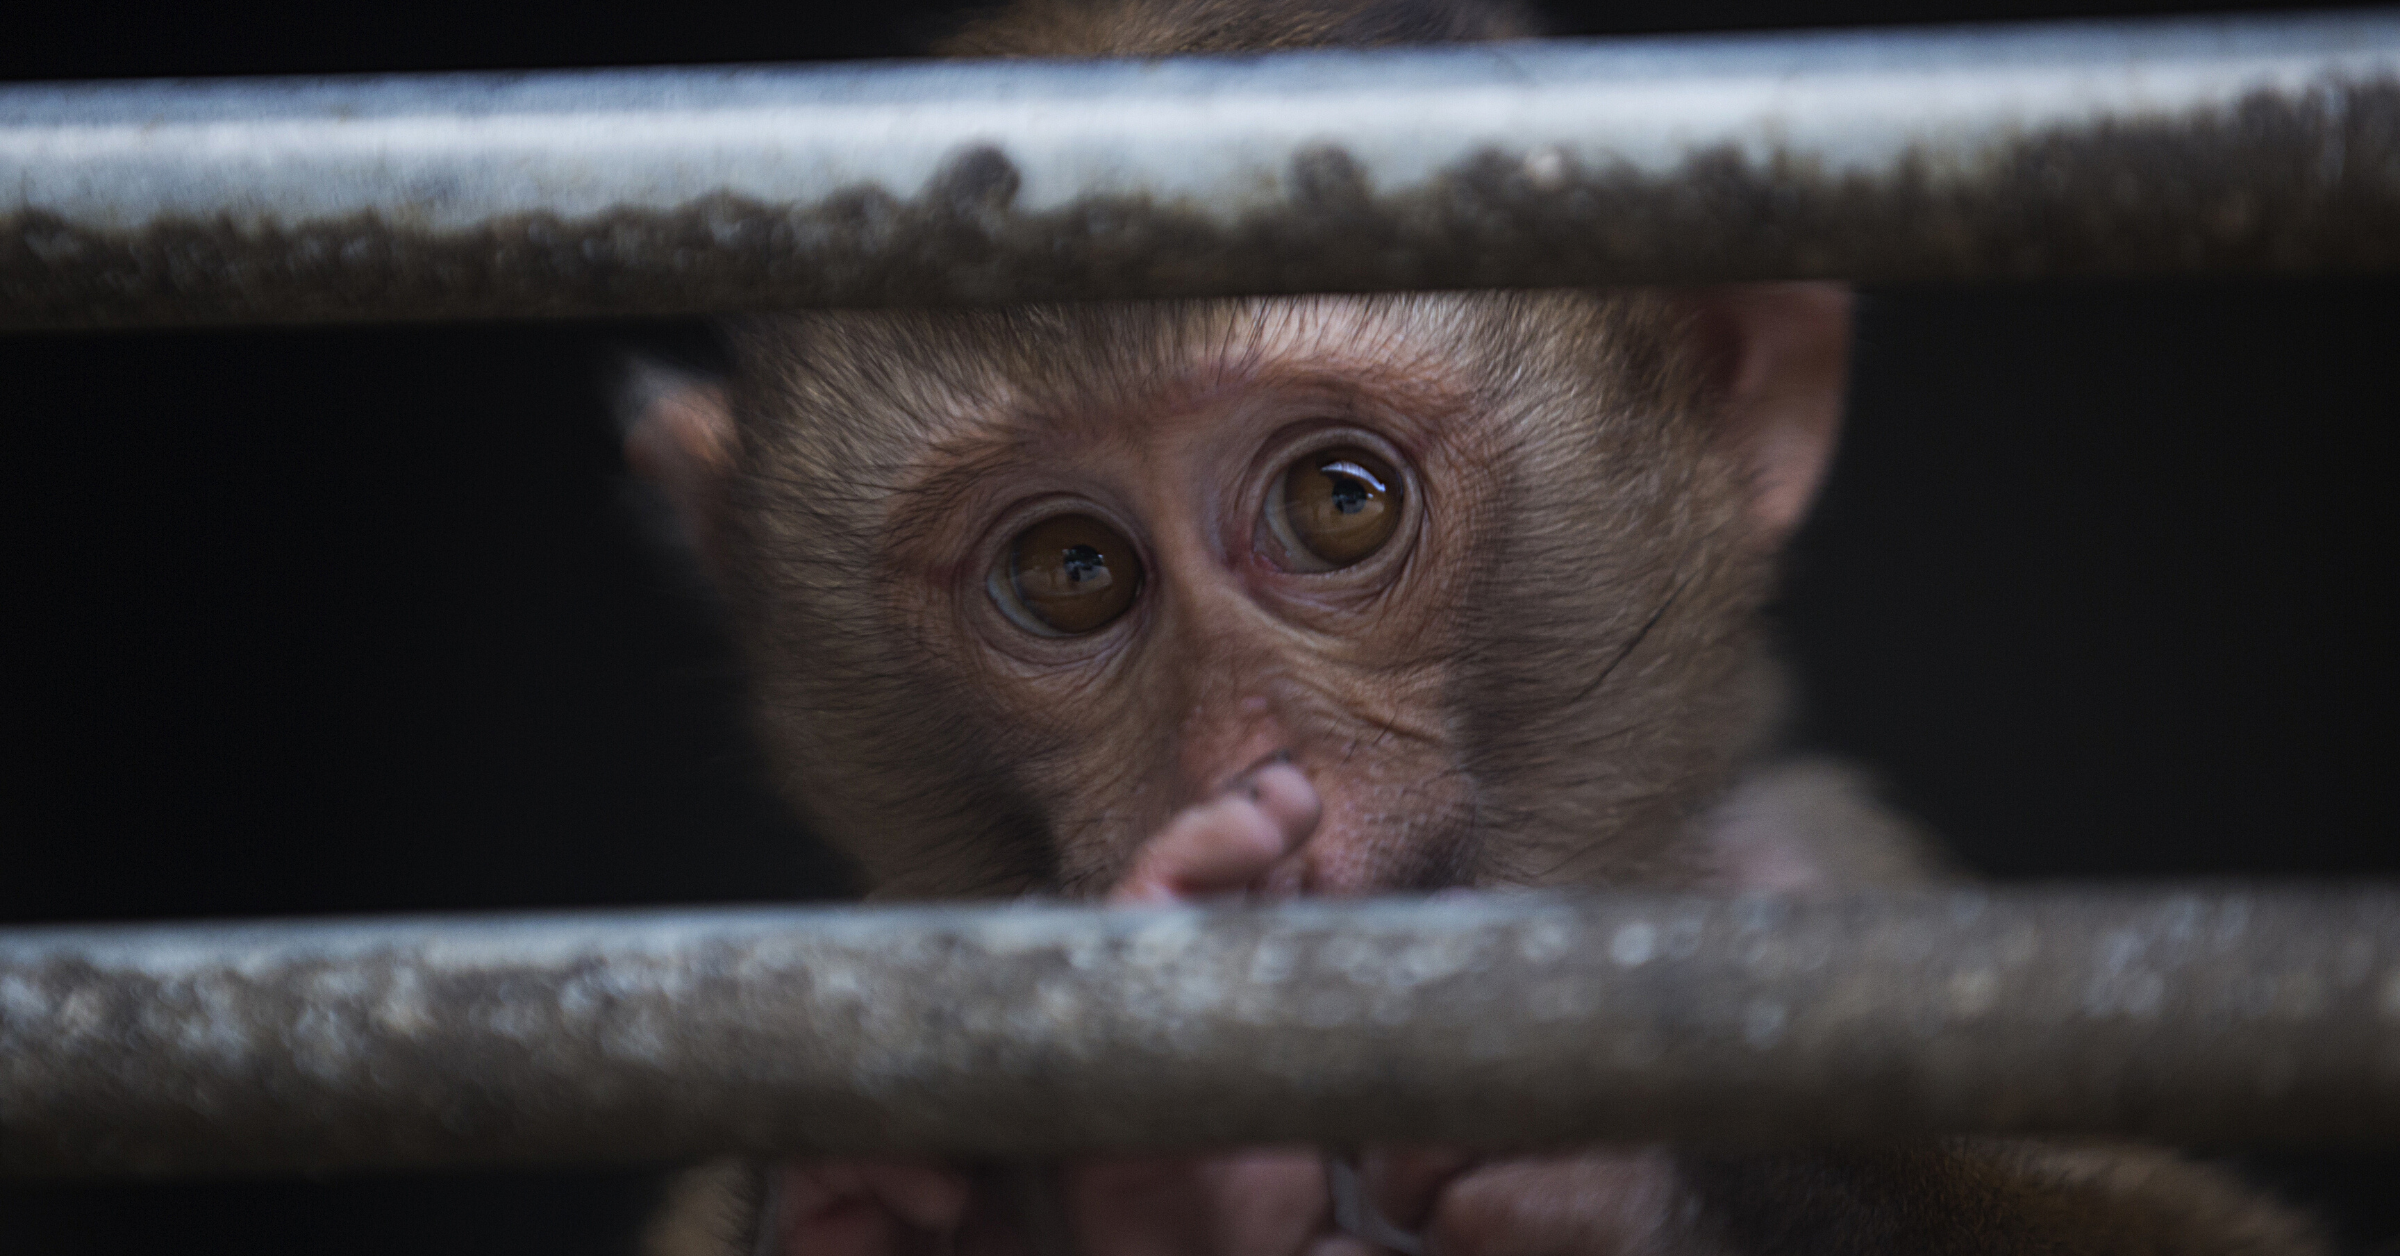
[[1227, 844], [1276, 1203], [1258, 1203], [1593, 1202], [1264, 1202]]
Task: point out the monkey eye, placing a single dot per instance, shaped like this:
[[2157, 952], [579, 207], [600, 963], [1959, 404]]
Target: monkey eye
[[1067, 575], [1334, 507]]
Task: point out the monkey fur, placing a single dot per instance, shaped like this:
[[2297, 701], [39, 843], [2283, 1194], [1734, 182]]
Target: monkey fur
[[1557, 677]]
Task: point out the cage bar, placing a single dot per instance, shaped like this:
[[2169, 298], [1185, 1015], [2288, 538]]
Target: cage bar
[[2200, 1016], [2080, 148]]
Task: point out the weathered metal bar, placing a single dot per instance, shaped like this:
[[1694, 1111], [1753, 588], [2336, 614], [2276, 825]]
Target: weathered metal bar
[[2264, 1016], [2220, 144]]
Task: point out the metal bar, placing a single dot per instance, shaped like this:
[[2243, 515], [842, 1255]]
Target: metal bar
[[2086, 148], [2261, 1017]]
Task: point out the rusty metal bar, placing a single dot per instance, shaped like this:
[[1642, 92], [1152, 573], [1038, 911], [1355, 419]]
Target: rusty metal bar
[[2087, 148], [2207, 1016]]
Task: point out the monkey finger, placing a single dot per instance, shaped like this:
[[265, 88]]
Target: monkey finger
[[1588, 1204], [829, 1212], [1264, 1202], [1223, 845], [925, 1197], [1403, 1183], [848, 1227], [1284, 793], [864, 1208]]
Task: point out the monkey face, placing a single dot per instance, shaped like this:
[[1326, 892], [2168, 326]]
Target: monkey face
[[1147, 587], [1022, 585]]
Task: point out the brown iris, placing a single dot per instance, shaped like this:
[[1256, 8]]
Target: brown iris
[[1072, 574], [1340, 505]]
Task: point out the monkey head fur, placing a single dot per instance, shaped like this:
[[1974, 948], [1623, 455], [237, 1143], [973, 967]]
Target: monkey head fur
[[1542, 676]]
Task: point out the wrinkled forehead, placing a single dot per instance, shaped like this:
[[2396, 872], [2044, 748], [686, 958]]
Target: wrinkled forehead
[[847, 400], [937, 374], [1089, 376]]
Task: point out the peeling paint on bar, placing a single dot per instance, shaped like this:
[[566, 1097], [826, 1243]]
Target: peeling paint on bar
[[2093, 148], [2213, 1016]]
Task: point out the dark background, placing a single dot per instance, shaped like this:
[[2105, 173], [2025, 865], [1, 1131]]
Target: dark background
[[360, 620]]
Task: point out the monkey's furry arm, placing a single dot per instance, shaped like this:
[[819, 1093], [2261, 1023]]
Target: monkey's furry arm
[[1812, 826], [1987, 1199]]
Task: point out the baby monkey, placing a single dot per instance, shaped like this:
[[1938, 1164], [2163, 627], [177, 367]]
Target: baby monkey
[[1333, 595]]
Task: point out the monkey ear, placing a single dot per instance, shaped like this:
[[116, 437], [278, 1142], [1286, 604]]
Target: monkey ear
[[1780, 354], [679, 436]]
